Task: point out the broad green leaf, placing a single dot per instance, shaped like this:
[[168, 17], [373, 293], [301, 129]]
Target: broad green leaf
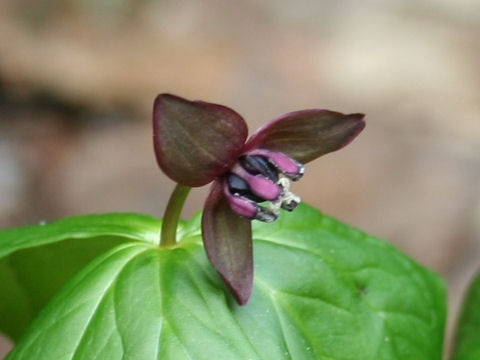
[[322, 291], [467, 337], [35, 261]]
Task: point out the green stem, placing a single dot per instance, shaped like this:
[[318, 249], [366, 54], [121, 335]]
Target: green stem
[[172, 215]]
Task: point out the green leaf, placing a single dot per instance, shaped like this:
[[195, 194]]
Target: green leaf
[[35, 261], [467, 337], [322, 291]]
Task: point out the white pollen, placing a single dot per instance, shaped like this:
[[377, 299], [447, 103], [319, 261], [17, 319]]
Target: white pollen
[[286, 198]]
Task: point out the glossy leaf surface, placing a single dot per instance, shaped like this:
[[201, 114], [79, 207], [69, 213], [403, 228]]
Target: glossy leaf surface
[[467, 338], [307, 134], [195, 141], [35, 261], [322, 290]]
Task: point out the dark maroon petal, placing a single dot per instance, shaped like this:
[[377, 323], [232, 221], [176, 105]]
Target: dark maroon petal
[[228, 241], [307, 134], [195, 141]]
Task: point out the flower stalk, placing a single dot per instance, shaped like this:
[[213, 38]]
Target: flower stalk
[[168, 237]]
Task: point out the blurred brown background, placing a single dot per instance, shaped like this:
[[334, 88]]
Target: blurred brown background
[[78, 78]]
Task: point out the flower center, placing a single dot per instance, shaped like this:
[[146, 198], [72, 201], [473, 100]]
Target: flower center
[[263, 176]]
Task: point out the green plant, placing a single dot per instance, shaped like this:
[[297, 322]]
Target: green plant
[[107, 287]]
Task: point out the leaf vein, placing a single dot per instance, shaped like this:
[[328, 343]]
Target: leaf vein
[[96, 307]]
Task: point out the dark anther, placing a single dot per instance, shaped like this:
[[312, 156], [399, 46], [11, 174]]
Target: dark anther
[[256, 164], [240, 187], [289, 205]]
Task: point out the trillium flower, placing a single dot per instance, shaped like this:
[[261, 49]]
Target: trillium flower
[[197, 143]]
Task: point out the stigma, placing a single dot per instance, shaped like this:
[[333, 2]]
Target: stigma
[[258, 185]]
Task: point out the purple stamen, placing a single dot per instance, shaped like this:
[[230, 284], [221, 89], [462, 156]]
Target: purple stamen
[[289, 167], [259, 185], [248, 208]]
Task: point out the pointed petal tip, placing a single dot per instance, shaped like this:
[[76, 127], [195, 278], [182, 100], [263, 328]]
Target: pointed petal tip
[[242, 297], [241, 292], [241, 289], [357, 126], [359, 119], [357, 115]]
